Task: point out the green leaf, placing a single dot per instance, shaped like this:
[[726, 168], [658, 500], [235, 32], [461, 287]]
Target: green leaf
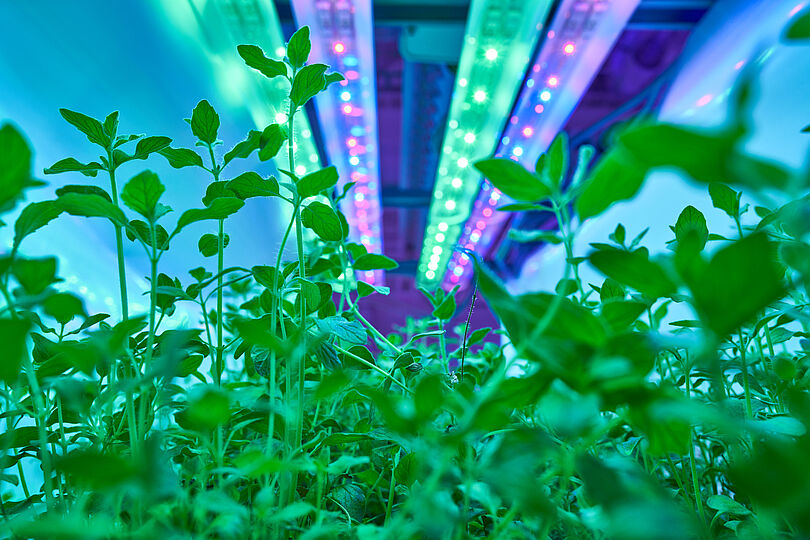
[[15, 165], [208, 408], [704, 156], [374, 261], [33, 217], [111, 125], [611, 289], [142, 193], [298, 47], [740, 280], [141, 229], [691, 228], [209, 244], [445, 310], [517, 235], [364, 289], [725, 504], [72, 165], [150, 145], [635, 270], [725, 199], [799, 27], [316, 182], [35, 275], [205, 122], [615, 178], [92, 469], [83, 189], [307, 83], [250, 184], [87, 125], [216, 190], [63, 307], [333, 78], [13, 334], [254, 57], [244, 148], [181, 157], [219, 209], [91, 205], [271, 141], [322, 220], [351, 331], [511, 178], [556, 165]]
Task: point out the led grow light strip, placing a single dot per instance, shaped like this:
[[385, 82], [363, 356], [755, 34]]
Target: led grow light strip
[[342, 36], [498, 42], [576, 45]]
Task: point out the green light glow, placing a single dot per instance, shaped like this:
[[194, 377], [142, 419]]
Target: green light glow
[[498, 43]]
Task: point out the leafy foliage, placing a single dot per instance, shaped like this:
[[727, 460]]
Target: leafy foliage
[[276, 410]]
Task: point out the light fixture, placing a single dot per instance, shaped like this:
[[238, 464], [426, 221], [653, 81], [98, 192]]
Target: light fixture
[[482, 97], [578, 41], [342, 33]]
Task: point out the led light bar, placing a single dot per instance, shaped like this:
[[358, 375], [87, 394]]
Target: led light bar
[[575, 47], [342, 36], [498, 44]]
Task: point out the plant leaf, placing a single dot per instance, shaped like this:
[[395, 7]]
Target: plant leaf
[[254, 57], [72, 165], [323, 221], [374, 261], [87, 125], [615, 178], [271, 141], [511, 178], [691, 228], [209, 244], [33, 217], [150, 145], [219, 209], [725, 199], [556, 166], [13, 334], [741, 279], [15, 165], [634, 269], [91, 205], [244, 148], [181, 157], [316, 182], [307, 83], [799, 27], [142, 193], [250, 184], [298, 47]]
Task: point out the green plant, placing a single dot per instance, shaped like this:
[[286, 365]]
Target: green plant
[[274, 415]]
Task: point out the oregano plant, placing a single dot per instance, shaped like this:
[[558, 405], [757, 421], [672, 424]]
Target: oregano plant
[[666, 398]]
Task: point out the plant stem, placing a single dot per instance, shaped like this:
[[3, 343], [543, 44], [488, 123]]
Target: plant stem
[[374, 367], [119, 245], [220, 267], [748, 408]]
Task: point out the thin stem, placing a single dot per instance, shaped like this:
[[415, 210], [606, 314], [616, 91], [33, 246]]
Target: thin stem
[[748, 408], [374, 367], [119, 246]]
